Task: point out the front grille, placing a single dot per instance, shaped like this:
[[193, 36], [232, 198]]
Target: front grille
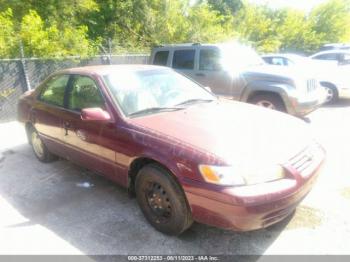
[[308, 160], [311, 85]]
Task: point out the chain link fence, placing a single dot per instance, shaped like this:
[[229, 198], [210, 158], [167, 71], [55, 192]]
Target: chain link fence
[[20, 75]]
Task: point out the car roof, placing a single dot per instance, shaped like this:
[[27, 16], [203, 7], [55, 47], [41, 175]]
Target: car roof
[[106, 69], [335, 51]]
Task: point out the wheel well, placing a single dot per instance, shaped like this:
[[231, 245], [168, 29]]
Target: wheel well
[[137, 165], [257, 93], [330, 85]]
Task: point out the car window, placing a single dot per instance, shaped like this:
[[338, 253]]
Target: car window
[[277, 61], [333, 56], [209, 60], [183, 59], [84, 93], [54, 90], [161, 58]]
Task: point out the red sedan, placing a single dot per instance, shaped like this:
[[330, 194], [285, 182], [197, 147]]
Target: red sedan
[[186, 155]]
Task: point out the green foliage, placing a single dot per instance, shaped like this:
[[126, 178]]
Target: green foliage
[[58, 28], [8, 41]]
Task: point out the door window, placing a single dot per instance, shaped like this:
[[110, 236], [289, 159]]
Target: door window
[[209, 60], [277, 61], [84, 93], [161, 58], [183, 59], [332, 56], [54, 91]]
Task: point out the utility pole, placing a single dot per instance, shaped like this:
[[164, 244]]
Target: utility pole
[[24, 67]]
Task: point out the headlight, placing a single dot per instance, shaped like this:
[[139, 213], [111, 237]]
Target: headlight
[[238, 176]]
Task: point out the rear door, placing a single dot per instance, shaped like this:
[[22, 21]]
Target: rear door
[[47, 112], [84, 139]]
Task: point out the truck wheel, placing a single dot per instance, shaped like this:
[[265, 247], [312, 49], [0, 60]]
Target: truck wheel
[[39, 148], [162, 201], [269, 101]]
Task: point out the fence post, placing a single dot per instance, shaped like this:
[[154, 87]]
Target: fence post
[[24, 67]]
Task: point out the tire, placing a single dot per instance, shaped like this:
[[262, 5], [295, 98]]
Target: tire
[[270, 101], [332, 93], [40, 150], [162, 201]]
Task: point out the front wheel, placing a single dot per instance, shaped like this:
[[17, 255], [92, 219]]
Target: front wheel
[[269, 101], [332, 93], [162, 201]]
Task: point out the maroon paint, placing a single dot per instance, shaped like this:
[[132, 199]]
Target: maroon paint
[[109, 146]]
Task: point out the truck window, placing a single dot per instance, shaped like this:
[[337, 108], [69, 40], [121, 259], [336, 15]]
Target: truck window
[[209, 60], [183, 59], [161, 58]]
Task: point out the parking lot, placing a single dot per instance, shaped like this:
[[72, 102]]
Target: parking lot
[[60, 208]]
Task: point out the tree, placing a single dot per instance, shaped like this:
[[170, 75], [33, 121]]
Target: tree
[[8, 40], [331, 21]]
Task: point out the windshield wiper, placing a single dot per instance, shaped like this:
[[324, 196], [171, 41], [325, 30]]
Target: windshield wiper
[[194, 101], [155, 109]]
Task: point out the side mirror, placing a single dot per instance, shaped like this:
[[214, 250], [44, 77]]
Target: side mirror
[[95, 114], [208, 89]]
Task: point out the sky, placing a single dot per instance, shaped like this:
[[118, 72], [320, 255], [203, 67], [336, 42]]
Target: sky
[[305, 5]]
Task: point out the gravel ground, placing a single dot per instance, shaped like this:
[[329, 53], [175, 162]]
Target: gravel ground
[[47, 208]]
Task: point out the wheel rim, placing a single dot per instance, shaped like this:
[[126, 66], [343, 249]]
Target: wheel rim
[[37, 145], [266, 104], [330, 94], [159, 202]]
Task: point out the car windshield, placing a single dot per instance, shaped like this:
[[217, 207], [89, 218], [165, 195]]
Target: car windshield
[[239, 56], [154, 90]]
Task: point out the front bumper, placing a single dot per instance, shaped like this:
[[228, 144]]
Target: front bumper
[[302, 107], [250, 207]]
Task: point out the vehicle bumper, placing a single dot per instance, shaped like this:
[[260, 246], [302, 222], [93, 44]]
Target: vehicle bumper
[[250, 207], [299, 107]]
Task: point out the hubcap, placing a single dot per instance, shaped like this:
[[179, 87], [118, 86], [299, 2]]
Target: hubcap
[[37, 145], [159, 202], [266, 104], [330, 94]]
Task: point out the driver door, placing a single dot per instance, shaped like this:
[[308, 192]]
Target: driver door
[[84, 139], [212, 74]]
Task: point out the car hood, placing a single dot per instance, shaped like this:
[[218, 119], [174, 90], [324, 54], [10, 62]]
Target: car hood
[[233, 131]]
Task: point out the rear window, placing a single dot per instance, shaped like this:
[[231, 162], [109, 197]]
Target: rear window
[[183, 59], [161, 58]]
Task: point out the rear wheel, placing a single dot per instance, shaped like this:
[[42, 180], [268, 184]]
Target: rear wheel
[[269, 101], [39, 148], [162, 201]]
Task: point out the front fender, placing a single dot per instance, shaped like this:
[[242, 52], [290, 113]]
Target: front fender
[[285, 91]]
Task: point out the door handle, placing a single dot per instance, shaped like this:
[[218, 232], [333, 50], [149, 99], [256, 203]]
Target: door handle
[[200, 74], [66, 126]]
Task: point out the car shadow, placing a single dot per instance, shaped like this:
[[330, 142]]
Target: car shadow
[[98, 218]]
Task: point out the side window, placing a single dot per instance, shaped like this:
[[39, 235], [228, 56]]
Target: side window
[[277, 61], [209, 60], [84, 94], [54, 89], [183, 59], [327, 57], [161, 58]]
